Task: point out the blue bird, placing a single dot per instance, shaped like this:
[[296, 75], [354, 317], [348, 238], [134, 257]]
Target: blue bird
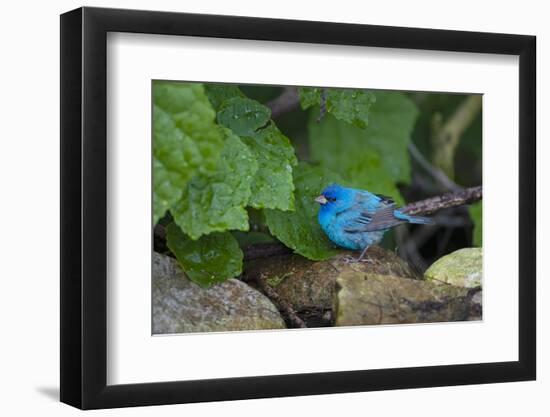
[[356, 219]]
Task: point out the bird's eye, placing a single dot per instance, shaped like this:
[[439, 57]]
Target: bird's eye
[[331, 199]]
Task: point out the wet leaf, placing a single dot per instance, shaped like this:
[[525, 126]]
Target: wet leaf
[[218, 93], [243, 115], [211, 259], [185, 140], [217, 201], [272, 186], [348, 105], [299, 229]]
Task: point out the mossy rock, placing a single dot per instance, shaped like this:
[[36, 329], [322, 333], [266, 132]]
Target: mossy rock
[[309, 286], [370, 299], [463, 268]]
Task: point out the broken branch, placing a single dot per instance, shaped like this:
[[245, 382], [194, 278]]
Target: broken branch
[[433, 204]]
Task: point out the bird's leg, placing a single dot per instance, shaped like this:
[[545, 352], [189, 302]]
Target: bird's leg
[[362, 254], [351, 259]]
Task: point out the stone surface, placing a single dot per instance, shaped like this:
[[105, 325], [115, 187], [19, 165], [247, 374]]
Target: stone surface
[[463, 268], [181, 306], [368, 299], [309, 286]]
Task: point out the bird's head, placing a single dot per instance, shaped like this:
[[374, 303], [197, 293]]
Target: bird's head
[[335, 198]]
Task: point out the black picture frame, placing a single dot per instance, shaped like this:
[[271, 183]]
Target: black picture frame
[[84, 207]]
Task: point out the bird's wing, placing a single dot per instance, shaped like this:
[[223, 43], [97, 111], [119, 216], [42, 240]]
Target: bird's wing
[[381, 219], [368, 202], [385, 199]]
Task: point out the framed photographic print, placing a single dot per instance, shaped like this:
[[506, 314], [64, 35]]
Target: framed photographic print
[[257, 208]]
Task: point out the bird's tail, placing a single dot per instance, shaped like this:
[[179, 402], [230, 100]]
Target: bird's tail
[[420, 220], [413, 219]]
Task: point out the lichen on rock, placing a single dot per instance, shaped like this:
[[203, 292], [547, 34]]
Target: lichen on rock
[[181, 306], [463, 268], [369, 299]]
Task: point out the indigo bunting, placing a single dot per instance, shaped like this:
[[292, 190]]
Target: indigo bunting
[[355, 219]]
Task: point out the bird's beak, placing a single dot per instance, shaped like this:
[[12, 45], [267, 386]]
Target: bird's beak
[[321, 199]]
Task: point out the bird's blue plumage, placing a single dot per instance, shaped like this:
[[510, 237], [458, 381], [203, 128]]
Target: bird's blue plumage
[[355, 219]]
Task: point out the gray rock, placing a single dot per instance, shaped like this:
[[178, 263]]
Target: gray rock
[[367, 299], [181, 306], [463, 268]]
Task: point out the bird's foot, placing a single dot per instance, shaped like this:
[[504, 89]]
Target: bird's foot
[[365, 260], [348, 259]]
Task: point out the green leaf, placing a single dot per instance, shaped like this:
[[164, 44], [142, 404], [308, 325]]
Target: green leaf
[[216, 202], [476, 213], [348, 105], [299, 229], [272, 186], [392, 121], [212, 259], [218, 93], [375, 158], [243, 115], [185, 140]]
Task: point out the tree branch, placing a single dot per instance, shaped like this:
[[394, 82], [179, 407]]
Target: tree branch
[[433, 204], [281, 304], [438, 175], [286, 102], [446, 136]]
